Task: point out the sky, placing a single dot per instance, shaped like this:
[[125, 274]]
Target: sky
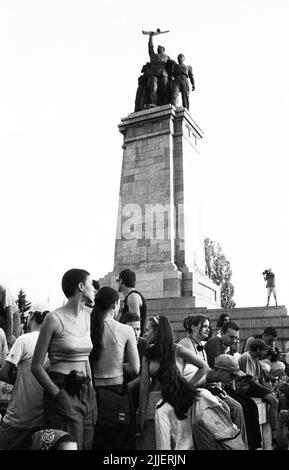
[[69, 74]]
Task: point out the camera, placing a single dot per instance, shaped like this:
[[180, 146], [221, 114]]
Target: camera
[[265, 272]]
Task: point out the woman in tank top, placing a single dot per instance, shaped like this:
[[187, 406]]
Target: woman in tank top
[[198, 327], [69, 398], [161, 353], [114, 351]]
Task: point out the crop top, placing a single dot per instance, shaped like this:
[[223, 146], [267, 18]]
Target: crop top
[[108, 370], [70, 346]]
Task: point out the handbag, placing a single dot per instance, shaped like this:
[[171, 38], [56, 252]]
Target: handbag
[[114, 407]]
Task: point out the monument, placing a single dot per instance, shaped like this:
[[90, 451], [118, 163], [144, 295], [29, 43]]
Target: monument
[[158, 228]]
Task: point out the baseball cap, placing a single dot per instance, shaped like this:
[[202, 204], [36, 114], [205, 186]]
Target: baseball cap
[[228, 362]]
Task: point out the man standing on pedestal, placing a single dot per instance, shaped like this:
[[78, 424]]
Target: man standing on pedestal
[[269, 276], [134, 302]]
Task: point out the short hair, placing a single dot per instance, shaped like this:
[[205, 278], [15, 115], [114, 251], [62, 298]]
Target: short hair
[[259, 343], [128, 277], [38, 317], [95, 284], [270, 331], [229, 325], [71, 280], [128, 317]]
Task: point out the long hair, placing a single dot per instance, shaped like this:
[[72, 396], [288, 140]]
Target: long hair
[[104, 300], [162, 348], [221, 319], [174, 389]]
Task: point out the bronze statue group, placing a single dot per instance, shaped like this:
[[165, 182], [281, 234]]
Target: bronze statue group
[[162, 79]]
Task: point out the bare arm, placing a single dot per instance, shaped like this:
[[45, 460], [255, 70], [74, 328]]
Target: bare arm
[[191, 77], [132, 366], [188, 356], [49, 327], [134, 303], [151, 45], [9, 325]]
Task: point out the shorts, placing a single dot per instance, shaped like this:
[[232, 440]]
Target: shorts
[[74, 414], [271, 290]]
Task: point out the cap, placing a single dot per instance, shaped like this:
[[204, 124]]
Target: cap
[[228, 362]]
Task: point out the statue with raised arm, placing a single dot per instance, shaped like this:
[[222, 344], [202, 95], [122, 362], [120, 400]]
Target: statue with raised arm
[[158, 76], [182, 74]]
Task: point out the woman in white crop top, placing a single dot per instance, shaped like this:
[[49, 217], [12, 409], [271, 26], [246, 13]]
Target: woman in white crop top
[[114, 351], [69, 398]]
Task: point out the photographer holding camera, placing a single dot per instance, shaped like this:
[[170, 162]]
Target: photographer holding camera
[[269, 277]]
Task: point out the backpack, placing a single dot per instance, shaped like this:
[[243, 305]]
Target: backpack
[[212, 420]]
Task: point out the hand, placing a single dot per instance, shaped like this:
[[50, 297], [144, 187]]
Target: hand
[[10, 340], [193, 87]]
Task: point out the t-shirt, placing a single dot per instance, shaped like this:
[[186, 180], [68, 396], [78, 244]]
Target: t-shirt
[[25, 409], [214, 347], [250, 366], [270, 278]]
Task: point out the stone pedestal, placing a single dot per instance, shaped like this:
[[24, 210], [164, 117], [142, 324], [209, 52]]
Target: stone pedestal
[[158, 228]]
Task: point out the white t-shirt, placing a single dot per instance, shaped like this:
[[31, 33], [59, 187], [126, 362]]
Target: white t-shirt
[[25, 409]]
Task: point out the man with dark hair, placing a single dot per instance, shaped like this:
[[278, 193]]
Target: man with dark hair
[[269, 335], [9, 315], [249, 363], [134, 302], [217, 345]]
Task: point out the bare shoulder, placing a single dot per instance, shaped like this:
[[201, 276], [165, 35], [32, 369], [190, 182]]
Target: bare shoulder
[[185, 342], [135, 296], [126, 330], [52, 320]]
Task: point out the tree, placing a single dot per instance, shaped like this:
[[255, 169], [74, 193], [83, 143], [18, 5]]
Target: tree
[[218, 269], [23, 305]]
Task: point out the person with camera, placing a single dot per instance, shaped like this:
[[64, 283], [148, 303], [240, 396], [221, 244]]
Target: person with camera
[[269, 277]]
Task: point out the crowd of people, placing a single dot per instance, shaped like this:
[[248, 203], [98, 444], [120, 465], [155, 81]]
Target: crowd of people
[[93, 376]]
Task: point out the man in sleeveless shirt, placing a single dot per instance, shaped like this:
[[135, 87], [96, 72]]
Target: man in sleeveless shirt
[[134, 302]]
